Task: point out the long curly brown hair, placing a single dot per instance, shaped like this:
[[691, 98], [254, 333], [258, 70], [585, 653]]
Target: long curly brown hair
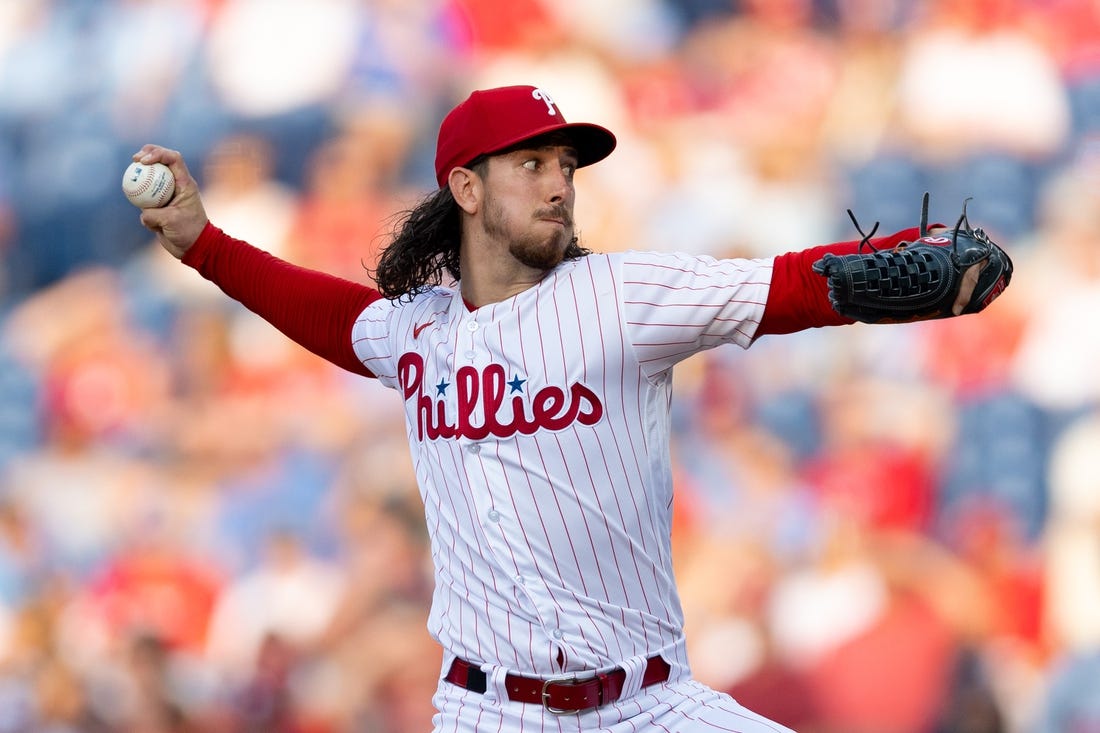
[[424, 247], [426, 240]]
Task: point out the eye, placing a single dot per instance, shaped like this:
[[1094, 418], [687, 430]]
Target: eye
[[531, 165], [569, 169]]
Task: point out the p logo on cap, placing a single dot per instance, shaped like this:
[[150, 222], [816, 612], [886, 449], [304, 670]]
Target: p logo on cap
[[491, 120], [550, 108]]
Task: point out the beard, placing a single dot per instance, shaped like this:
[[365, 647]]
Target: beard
[[541, 251]]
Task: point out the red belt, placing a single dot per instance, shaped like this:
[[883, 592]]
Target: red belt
[[559, 695]]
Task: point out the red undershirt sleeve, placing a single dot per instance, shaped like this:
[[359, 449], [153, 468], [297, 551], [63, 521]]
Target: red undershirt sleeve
[[799, 298], [314, 309]]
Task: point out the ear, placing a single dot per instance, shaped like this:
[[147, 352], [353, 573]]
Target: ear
[[466, 187]]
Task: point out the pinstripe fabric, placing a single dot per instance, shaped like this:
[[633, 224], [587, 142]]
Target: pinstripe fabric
[[539, 434]]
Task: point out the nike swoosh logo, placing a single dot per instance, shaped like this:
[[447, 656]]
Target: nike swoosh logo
[[421, 327]]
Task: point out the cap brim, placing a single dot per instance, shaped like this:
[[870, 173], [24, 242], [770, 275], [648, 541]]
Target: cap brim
[[593, 143]]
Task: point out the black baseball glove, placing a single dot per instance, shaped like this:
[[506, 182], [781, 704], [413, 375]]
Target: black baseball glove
[[917, 280]]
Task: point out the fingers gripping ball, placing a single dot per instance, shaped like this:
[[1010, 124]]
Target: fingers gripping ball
[[916, 280], [148, 186]]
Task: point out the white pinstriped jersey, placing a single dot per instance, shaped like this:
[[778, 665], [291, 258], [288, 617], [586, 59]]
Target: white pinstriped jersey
[[539, 429]]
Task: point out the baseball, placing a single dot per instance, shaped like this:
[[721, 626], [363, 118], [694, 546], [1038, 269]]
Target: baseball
[[148, 186]]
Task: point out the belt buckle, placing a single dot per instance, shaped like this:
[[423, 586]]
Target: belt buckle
[[572, 679]]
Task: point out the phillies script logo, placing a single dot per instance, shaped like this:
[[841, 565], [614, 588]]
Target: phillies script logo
[[487, 391]]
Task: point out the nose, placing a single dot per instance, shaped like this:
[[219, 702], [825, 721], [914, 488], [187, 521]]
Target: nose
[[561, 187]]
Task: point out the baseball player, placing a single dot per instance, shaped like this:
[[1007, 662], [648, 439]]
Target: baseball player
[[536, 380]]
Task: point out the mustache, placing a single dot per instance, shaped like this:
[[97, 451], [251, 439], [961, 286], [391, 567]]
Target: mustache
[[555, 212]]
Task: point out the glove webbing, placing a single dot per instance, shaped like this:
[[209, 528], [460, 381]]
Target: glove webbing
[[903, 277]]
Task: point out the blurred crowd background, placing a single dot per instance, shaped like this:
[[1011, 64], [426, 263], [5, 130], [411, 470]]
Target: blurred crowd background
[[879, 529]]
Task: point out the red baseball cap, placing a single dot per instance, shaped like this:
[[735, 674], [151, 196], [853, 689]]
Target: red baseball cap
[[490, 120]]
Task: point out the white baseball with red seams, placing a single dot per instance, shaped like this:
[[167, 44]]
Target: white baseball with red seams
[[148, 186], [539, 431]]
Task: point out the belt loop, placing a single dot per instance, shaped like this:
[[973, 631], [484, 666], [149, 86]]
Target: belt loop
[[634, 667], [496, 690]]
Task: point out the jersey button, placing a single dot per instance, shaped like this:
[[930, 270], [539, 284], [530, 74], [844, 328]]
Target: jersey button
[[470, 354], [474, 448], [557, 633], [493, 515], [471, 326]]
